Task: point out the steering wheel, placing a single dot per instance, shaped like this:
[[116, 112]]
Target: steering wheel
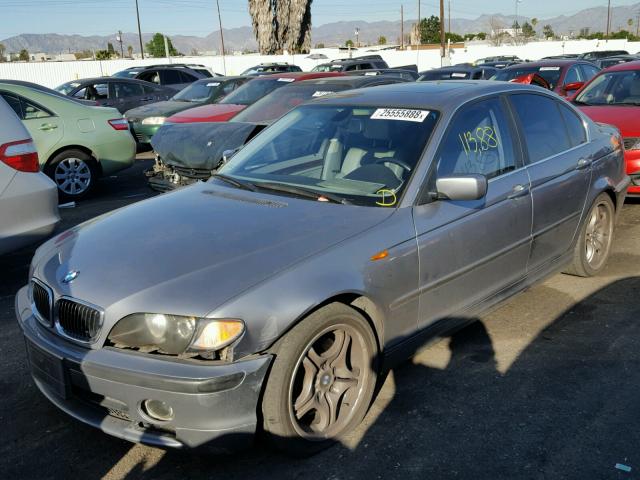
[[395, 161]]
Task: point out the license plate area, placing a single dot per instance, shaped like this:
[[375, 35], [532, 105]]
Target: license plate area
[[47, 368]]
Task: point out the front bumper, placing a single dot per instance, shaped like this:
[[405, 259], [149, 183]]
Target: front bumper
[[632, 160], [215, 405], [164, 178]]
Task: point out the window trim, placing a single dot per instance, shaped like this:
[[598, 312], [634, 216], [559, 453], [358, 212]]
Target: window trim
[[25, 99]]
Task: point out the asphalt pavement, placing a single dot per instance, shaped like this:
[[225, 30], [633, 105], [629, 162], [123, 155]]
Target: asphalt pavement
[[546, 386]]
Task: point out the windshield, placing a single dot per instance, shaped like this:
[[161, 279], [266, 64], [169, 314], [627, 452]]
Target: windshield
[[276, 104], [327, 67], [444, 75], [612, 88], [254, 90], [126, 74], [67, 88], [359, 154], [549, 73], [198, 92]]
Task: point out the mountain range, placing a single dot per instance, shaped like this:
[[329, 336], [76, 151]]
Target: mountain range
[[330, 34]]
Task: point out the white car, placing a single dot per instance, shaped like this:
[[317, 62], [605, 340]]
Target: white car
[[28, 198]]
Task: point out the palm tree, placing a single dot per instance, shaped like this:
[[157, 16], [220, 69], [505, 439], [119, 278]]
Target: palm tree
[[281, 25], [534, 22]]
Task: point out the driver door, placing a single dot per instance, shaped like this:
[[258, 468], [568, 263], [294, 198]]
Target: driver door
[[471, 250]]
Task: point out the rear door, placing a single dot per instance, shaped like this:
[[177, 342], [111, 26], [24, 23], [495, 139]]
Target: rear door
[[129, 95], [472, 250], [559, 166], [45, 127]]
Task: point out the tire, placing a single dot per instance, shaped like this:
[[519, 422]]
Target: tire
[[593, 247], [74, 172], [321, 381]]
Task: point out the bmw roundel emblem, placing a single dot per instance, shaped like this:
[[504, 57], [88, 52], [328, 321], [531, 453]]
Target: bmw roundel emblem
[[70, 276]]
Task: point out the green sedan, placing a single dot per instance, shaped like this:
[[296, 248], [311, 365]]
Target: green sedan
[[147, 119], [76, 143]]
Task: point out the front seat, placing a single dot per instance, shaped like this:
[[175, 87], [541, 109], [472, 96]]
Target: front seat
[[374, 143]]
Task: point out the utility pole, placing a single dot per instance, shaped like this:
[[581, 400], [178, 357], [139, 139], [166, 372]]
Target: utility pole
[[401, 28], [608, 18], [224, 63], [638, 26], [449, 17], [119, 39], [357, 32], [166, 48], [139, 31], [442, 37]]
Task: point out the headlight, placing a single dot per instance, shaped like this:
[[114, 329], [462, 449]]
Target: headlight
[[153, 121], [175, 334]]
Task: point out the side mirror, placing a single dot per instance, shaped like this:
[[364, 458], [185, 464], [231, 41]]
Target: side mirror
[[227, 154], [467, 187], [572, 87]]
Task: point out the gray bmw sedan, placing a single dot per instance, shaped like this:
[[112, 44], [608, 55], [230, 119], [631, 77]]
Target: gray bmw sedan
[[270, 297]]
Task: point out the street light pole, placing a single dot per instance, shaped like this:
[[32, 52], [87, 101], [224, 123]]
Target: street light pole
[[357, 37], [442, 36], [119, 39], [608, 18], [139, 31], [224, 63]]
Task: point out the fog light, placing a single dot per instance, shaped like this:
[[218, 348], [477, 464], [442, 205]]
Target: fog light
[[158, 410]]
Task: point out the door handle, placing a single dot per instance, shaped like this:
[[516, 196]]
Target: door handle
[[48, 126], [583, 163], [518, 191]]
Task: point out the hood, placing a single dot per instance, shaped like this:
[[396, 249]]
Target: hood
[[189, 251], [625, 118], [219, 112], [200, 145], [159, 109]]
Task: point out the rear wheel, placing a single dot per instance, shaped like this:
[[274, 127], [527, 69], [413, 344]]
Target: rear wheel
[[74, 173], [594, 243], [321, 381]]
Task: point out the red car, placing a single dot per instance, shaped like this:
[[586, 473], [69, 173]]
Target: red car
[[563, 76], [613, 97], [244, 96]]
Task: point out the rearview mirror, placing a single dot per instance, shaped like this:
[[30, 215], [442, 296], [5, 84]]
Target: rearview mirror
[[467, 187]]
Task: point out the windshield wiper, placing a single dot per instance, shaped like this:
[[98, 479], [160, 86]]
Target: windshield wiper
[[302, 192], [236, 183]]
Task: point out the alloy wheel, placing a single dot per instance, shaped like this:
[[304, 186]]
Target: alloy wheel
[[598, 235], [72, 176]]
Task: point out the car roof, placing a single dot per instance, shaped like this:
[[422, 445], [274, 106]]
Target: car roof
[[298, 76], [220, 79], [548, 63], [628, 66], [82, 81], [350, 81], [439, 95]]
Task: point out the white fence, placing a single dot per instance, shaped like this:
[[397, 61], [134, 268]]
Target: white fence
[[52, 74]]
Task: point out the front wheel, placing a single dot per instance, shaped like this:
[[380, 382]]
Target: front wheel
[[594, 243], [321, 381]]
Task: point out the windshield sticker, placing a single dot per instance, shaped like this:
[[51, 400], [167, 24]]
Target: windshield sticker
[[485, 138], [400, 114], [321, 93], [458, 75], [387, 198], [213, 84], [286, 79], [371, 74], [549, 69]]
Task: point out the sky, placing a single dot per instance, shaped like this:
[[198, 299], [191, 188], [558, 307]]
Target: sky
[[199, 17]]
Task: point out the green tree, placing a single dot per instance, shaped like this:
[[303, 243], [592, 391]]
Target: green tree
[[130, 51], [548, 32], [155, 47], [23, 55], [534, 22], [430, 30], [319, 45], [515, 26], [454, 37], [102, 55], [83, 54], [111, 50], [349, 43], [3, 51], [382, 40], [527, 30]]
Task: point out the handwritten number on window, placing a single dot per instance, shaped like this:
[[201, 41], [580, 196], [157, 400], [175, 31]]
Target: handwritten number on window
[[485, 138]]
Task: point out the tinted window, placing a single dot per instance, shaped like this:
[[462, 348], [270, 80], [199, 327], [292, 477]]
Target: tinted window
[[170, 77], [575, 127], [541, 124], [124, 90], [478, 141], [98, 91], [204, 72], [153, 77], [149, 89], [14, 102], [186, 77], [589, 72], [572, 76], [255, 90], [550, 73], [199, 92]]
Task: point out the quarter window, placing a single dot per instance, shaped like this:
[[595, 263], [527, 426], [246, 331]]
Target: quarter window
[[25, 109], [575, 127], [572, 76], [541, 124], [478, 142]]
